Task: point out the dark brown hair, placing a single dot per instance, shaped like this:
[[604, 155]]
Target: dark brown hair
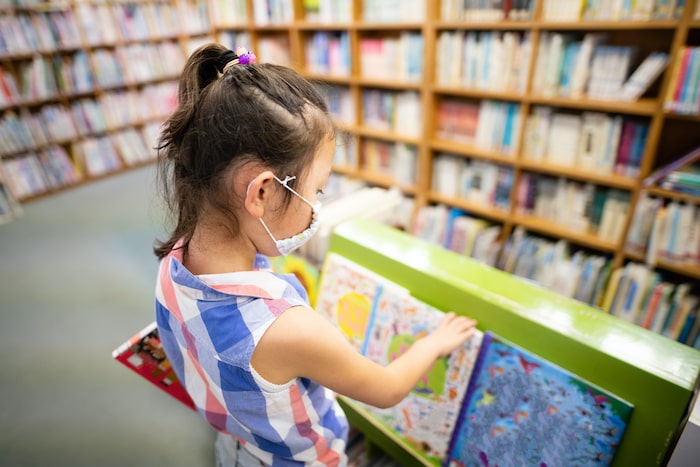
[[261, 113]]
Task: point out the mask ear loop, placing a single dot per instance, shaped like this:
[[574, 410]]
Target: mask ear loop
[[285, 183]]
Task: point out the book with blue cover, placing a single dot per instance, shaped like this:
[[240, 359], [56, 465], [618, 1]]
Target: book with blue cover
[[523, 410]]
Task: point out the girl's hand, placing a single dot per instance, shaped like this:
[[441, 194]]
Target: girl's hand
[[451, 333]]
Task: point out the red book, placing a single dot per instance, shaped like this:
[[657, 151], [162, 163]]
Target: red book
[[144, 354], [624, 148], [686, 54]]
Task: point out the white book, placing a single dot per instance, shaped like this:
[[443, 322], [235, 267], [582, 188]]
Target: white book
[[692, 252], [562, 141], [542, 64], [609, 155], [555, 55], [454, 69], [684, 233], [657, 236], [447, 174], [643, 76], [580, 74]]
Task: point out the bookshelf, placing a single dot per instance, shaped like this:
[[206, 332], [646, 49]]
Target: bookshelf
[[410, 87], [85, 86], [484, 94]]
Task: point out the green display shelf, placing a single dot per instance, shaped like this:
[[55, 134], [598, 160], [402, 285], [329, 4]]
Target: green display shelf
[[655, 374]]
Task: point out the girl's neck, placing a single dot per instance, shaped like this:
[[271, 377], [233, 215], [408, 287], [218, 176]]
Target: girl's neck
[[216, 251]]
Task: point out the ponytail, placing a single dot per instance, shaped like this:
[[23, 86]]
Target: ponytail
[[201, 69]]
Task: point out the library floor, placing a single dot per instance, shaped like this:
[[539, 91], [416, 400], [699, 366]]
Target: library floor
[[76, 280]]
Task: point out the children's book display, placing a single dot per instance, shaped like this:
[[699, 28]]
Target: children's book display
[[490, 402]]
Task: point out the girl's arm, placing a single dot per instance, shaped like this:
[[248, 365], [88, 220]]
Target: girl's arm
[[302, 343]]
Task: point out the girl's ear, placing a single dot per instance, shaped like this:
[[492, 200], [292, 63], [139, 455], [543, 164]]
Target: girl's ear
[[258, 193]]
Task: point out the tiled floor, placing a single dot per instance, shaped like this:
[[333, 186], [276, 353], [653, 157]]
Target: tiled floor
[[77, 279]]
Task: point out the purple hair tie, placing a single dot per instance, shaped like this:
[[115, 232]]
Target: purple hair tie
[[245, 56], [240, 57]]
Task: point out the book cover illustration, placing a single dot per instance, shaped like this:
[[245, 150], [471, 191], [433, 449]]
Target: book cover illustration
[[346, 295], [305, 272], [427, 417], [143, 353], [523, 410]]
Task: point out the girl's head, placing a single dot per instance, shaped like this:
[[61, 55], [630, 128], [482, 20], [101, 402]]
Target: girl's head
[[235, 128]]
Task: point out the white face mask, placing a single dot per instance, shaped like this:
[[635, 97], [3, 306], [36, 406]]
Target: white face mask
[[288, 245]]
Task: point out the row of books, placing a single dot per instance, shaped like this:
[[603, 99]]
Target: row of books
[[58, 123], [36, 172], [346, 152], [46, 31], [569, 66], [612, 10], [548, 263], [229, 13], [95, 24], [593, 141], [398, 112], [579, 207], [485, 60], [105, 24], [639, 294], [480, 182], [396, 161], [328, 11], [486, 124], [195, 17], [487, 10], [328, 53], [47, 77], [137, 63], [451, 228], [685, 180], [340, 102], [274, 49], [682, 94], [666, 230], [55, 166], [397, 58], [267, 12], [635, 292], [551, 264], [393, 11]]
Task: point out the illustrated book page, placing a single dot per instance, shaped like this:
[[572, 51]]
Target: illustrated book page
[[428, 415]]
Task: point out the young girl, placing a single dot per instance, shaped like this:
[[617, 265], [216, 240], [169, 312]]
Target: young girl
[[243, 159]]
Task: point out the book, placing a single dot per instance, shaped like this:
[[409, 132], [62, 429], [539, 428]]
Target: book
[[427, 416], [658, 175], [521, 409], [307, 274], [644, 76], [346, 296], [143, 354]]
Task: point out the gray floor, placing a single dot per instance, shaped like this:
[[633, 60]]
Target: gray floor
[[77, 279]]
